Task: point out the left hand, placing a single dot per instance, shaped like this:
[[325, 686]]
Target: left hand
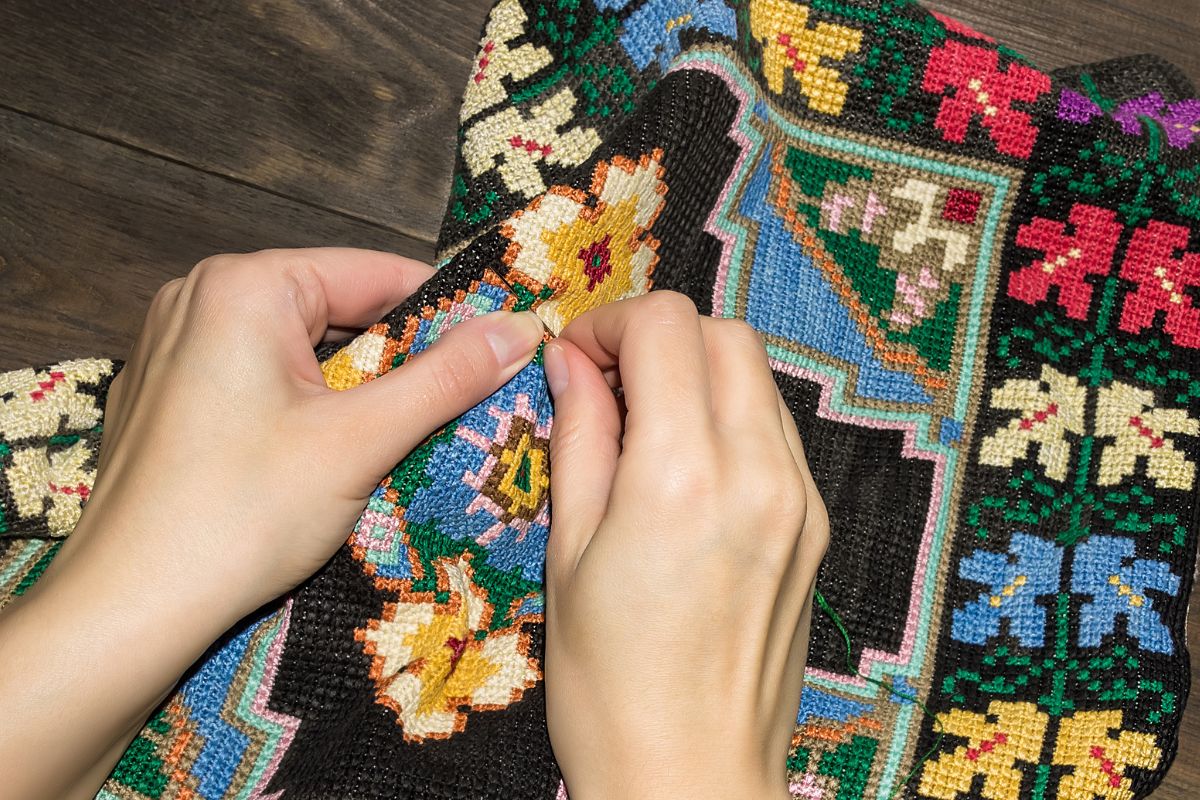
[[228, 473]]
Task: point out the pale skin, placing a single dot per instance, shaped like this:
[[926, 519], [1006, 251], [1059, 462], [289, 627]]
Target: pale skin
[[680, 564]]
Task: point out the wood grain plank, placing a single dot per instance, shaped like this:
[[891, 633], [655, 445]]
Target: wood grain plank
[[352, 105], [90, 230]]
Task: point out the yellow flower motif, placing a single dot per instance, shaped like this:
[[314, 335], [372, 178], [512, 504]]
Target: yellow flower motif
[[789, 44], [1100, 760], [992, 750], [1127, 415], [1044, 417], [589, 254], [432, 663]]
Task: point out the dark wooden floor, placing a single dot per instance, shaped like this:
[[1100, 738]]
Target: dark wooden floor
[[138, 136]]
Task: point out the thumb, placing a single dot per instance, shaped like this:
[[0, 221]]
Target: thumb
[[584, 445], [380, 422]]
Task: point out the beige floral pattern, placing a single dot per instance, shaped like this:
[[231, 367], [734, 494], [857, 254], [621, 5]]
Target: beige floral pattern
[[1138, 430], [1048, 409], [433, 662]]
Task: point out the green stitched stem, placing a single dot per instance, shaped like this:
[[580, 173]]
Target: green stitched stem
[[1039, 783], [1093, 92], [1075, 530], [891, 688], [1155, 146], [1061, 633]]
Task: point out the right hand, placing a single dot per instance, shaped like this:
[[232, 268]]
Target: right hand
[[686, 537]]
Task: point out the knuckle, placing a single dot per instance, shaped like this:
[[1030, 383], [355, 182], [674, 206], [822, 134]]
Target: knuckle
[[230, 285], [791, 499], [165, 294], [780, 501], [215, 276], [456, 377], [214, 267], [688, 487], [738, 330], [816, 526], [665, 304]]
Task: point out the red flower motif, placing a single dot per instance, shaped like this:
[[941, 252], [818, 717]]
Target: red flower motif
[[982, 90], [1068, 258], [1163, 281], [957, 26]]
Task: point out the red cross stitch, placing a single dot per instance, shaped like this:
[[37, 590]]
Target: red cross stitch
[[982, 90], [1163, 281], [962, 205], [1068, 258]]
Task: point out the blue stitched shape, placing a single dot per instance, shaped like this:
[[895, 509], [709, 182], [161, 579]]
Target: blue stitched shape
[[1105, 569], [652, 32], [1030, 569]]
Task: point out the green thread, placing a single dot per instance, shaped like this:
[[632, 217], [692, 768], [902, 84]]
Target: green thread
[[890, 687]]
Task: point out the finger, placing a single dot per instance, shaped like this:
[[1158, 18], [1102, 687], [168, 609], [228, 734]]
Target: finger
[[462, 368], [796, 445], [584, 445], [156, 332], [743, 386], [344, 287], [340, 334], [813, 540], [657, 342]]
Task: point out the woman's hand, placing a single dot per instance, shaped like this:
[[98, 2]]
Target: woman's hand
[[222, 415], [685, 542], [228, 473]]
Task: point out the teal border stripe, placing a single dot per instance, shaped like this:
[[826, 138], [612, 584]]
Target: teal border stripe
[[922, 421]]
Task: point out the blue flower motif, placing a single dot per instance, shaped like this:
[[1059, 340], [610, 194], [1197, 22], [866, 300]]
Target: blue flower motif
[[1105, 569], [652, 31], [1030, 569]]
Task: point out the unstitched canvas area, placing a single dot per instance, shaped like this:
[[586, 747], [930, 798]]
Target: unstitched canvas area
[[979, 286]]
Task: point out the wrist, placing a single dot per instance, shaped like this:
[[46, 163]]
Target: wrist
[[94, 646], [167, 571], [653, 778]]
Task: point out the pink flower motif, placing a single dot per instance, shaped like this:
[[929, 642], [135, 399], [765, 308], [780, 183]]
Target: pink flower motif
[[981, 90], [807, 788], [1163, 281], [1088, 250]]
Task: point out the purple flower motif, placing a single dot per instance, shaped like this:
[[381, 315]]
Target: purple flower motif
[[1105, 568], [1077, 108], [1180, 121]]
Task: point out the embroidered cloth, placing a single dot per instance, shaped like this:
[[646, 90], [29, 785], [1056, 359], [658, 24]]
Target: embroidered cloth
[[979, 286]]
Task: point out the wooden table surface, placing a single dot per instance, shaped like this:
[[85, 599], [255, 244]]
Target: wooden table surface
[[138, 137]]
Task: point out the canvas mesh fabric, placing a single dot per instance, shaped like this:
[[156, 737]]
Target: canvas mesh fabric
[[979, 287]]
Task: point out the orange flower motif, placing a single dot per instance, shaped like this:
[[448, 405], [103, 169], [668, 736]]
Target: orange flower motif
[[433, 663]]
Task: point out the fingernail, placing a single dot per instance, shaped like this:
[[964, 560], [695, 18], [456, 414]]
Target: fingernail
[[558, 373], [513, 336]]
